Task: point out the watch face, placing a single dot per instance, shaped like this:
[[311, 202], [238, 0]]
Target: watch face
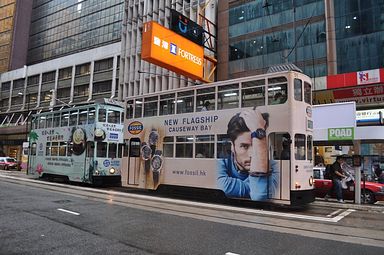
[[156, 163], [153, 137], [260, 133], [146, 152]]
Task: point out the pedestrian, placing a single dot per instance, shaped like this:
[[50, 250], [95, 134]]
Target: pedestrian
[[206, 106], [336, 174]]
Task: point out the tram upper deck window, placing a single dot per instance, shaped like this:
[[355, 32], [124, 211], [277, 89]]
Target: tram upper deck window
[[73, 118], [167, 104], [307, 93], [253, 93], [277, 90], [129, 110], [83, 116], [228, 96], [91, 115], [150, 106], [64, 119], [113, 117], [102, 115], [205, 99], [298, 90], [56, 120], [42, 121], [185, 101], [138, 108], [49, 121]]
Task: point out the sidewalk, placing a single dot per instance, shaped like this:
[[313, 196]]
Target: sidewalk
[[378, 206]]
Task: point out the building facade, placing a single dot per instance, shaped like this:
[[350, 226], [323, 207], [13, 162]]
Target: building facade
[[71, 56]]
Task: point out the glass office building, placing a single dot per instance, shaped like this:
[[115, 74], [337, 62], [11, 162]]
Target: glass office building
[[61, 28], [320, 37]]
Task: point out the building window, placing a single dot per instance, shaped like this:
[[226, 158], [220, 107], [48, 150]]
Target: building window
[[83, 69], [49, 77], [65, 73], [104, 64], [18, 83]]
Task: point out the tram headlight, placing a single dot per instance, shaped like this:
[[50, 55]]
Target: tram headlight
[[297, 185], [311, 181], [112, 170], [97, 172]]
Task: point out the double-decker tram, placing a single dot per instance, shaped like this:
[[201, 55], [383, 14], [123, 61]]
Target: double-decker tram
[[81, 144], [249, 137]]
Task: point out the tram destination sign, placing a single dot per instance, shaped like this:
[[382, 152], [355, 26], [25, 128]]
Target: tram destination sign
[[341, 134]]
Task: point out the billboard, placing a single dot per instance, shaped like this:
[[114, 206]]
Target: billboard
[[186, 27], [165, 48]]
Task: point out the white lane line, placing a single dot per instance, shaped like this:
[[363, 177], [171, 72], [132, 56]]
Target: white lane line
[[342, 215], [231, 253], [335, 212], [67, 211]]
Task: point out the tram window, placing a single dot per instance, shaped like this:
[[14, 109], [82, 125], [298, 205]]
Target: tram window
[[121, 117], [223, 146], [73, 118], [64, 119], [69, 149], [120, 150], [168, 143], [33, 149], [49, 121], [167, 104], [90, 149], [101, 150], [42, 121], [309, 148], [102, 115], [185, 102], [55, 149], [205, 102], [277, 94], [134, 147], [300, 147], [62, 148], [184, 147], [91, 115], [56, 120], [307, 93], [204, 146], [83, 117], [35, 123], [129, 110], [112, 150], [298, 90], [48, 149], [252, 97], [228, 96], [280, 146], [125, 150], [150, 106], [113, 117], [138, 108]]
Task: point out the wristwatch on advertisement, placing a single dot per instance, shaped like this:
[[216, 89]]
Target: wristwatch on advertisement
[[146, 153], [259, 133], [156, 163]]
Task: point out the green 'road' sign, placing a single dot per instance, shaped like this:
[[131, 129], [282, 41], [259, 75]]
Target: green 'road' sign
[[337, 134]]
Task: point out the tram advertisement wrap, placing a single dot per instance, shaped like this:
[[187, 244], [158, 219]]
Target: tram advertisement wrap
[[209, 149]]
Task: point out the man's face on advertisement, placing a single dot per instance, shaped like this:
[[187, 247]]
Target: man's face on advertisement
[[242, 149]]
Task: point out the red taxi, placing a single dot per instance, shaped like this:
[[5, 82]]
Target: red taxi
[[371, 192]]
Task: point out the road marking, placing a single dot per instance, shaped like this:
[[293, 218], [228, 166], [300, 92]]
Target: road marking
[[231, 253], [63, 210], [335, 212], [342, 215]]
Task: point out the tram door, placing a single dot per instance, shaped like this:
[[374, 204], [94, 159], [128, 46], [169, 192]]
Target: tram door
[[134, 161]]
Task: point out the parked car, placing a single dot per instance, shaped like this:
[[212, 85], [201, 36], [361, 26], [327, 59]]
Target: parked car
[[370, 193], [7, 163]]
